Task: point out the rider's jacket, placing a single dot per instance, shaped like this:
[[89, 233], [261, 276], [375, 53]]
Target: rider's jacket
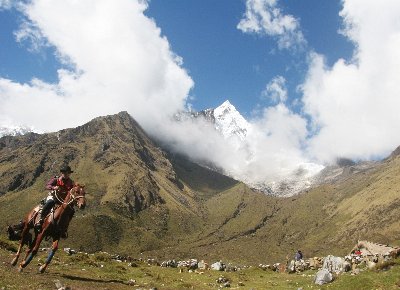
[[64, 184]]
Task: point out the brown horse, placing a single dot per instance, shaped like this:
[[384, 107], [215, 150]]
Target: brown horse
[[54, 226]]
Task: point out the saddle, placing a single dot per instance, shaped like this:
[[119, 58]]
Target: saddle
[[36, 218]]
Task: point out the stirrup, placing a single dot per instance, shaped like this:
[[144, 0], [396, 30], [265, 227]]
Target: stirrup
[[38, 225]]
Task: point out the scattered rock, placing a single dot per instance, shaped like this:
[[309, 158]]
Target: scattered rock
[[69, 251], [333, 264], [346, 266], [132, 264], [60, 286], [218, 266], [202, 265], [169, 263], [371, 265], [355, 272], [226, 285], [131, 282], [222, 279], [322, 277]]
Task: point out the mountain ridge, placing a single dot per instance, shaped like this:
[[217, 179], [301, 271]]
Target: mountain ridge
[[142, 199]]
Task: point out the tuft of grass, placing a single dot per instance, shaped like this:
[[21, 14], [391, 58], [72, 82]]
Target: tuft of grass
[[384, 266], [8, 245], [102, 257]]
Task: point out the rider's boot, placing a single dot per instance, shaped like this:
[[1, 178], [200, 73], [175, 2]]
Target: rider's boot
[[45, 210], [39, 223]]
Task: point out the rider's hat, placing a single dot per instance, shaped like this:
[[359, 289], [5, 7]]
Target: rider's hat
[[66, 169]]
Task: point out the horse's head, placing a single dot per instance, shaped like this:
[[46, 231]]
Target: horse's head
[[79, 196]]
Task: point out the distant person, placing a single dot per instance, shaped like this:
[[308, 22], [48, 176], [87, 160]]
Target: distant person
[[58, 185], [298, 256]]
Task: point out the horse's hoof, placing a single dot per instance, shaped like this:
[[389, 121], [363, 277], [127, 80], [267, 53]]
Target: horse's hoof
[[42, 269], [14, 261], [20, 269]]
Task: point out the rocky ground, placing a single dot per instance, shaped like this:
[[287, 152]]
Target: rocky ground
[[77, 270]]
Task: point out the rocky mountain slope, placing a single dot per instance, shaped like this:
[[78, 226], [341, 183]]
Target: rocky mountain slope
[[125, 174], [145, 200]]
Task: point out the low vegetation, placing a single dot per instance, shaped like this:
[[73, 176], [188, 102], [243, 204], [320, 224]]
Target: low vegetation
[[99, 271]]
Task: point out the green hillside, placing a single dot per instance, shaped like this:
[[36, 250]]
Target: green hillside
[[143, 200]]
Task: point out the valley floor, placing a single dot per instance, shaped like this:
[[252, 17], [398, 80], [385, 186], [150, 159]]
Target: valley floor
[[98, 271]]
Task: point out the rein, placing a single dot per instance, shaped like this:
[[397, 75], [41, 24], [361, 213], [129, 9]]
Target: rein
[[72, 198]]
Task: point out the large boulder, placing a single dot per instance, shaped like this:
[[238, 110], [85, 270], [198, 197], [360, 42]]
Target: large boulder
[[323, 277], [218, 266], [291, 267], [333, 264], [315, 263]]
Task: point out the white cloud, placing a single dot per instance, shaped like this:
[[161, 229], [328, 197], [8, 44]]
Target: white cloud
[[6, 4], [276, 141], [276, 90], [116, 66], [31, 34], [264, 17], [354, 106]]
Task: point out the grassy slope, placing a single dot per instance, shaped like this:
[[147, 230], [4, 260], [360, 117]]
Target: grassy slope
[[82, 271], [237, 224], [245, 226]]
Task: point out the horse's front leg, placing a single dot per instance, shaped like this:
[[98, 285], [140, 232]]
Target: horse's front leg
[[32, 251], [53, 250]]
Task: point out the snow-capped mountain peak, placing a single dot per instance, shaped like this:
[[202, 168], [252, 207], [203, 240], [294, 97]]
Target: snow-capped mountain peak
[[14, 130], [239, 134], [230, 122]]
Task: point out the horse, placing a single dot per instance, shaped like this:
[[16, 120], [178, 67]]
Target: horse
[[54, 226]]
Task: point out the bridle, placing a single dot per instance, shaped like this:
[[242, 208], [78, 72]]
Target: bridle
[[72, 197]]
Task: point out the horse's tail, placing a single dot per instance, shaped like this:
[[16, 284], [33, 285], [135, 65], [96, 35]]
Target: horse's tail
[[14, 232]]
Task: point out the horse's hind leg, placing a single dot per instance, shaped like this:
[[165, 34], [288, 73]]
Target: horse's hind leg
[[32, 251], [24, 234], [16, 257]]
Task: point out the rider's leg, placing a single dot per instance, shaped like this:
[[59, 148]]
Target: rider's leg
[[45, 211]]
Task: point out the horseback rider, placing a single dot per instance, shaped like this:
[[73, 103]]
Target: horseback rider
[[58, 185]]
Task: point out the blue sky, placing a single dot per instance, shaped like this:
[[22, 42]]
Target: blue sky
[[226, 63], [17, 60], [316, 80]]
